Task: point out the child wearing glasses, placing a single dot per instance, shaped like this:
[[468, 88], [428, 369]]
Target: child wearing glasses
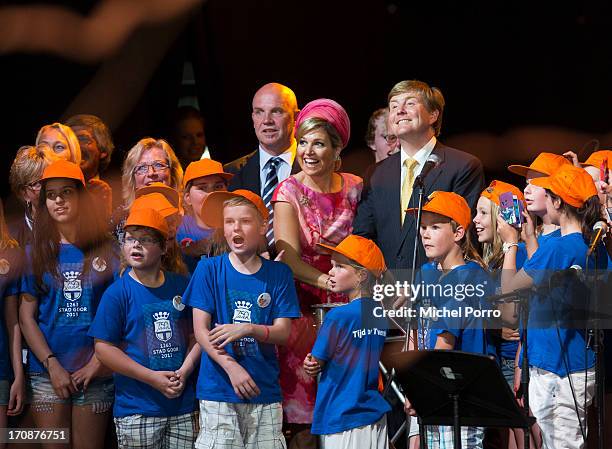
[[69, 265], [143, 332], [194, 236]]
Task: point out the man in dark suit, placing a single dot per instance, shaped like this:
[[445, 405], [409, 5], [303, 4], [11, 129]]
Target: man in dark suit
[[274, 112], [415, 116]]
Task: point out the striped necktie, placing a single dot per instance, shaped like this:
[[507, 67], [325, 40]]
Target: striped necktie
[[268, 190]]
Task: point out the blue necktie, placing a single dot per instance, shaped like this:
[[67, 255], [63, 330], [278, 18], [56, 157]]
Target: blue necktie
[[268, 191]]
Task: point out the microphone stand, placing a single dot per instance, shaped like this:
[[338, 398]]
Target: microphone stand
[[413, 327], [596, 337], [522, 298]]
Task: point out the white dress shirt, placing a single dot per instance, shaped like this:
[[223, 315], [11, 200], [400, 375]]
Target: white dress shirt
[[283, 170]]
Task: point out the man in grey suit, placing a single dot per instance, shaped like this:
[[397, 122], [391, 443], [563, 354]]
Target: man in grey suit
[[415, 116]]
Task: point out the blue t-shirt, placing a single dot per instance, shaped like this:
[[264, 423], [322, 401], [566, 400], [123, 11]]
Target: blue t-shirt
[[350, 342], [189, 231], [507, 349], [229, 296], [547, 312], [147, 324], [11, 263], [456, 302], [67, 308]]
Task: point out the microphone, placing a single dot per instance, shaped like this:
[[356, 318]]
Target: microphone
[[599, 228], [573, 271], [432, 162]]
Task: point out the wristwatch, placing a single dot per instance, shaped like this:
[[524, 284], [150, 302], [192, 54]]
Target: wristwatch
[[507, 245]]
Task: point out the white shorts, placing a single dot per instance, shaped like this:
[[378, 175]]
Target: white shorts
[[226, 425], [371, 436], [552, 404]]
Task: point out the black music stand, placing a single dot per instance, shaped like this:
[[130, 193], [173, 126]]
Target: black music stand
[[453, 388]]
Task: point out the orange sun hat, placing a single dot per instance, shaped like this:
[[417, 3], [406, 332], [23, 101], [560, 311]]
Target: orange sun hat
[[572, 184], [63, 169], [496, 188], [211, 212], [155, 201], [205, 167], [170, 193], [544, 165], [361, 250], [149, 218], [450, 205], [596, 158]]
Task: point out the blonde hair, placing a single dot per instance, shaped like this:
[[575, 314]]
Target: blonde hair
[[132, 158], [6, 241], [241, 201], [28, 166], [69, 135], [431, 97], [492, 253]]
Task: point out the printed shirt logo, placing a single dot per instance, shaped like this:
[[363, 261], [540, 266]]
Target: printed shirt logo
[[163, 329], [242, 312], [72, 285], [5, 266]]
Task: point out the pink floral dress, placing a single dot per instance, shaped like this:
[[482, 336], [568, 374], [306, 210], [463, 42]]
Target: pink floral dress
[[323, 218]]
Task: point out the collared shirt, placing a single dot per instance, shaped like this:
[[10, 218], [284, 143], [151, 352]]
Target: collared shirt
[[420, 157], [283, 170]]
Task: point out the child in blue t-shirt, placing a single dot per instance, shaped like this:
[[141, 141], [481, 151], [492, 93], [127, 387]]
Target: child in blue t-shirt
[[349, 410], [143, 332], [455, 279], [561, 364], [242, 307], [69, 265], [194, 236], [12, 381]]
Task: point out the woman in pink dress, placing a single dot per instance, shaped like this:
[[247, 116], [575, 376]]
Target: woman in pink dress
[[316, 205]]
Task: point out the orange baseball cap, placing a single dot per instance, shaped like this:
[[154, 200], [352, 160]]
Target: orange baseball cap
[[596, 158], [159, 187], [205, 167], [496, 188], [361, 250], [155, 201], [448, 204], [211, 212], [572, 184], [63, 169], [149, 218], [544, 165]]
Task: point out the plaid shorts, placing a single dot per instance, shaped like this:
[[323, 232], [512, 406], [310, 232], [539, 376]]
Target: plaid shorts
[[155, 432], [226, 425], [5, 387], [100, 393], [441, 437]]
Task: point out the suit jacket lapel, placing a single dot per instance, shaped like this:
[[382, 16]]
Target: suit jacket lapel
[[252, 181], [409, 224]]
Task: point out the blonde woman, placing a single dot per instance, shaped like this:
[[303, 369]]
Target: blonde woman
[[150, 160], [62, 141]]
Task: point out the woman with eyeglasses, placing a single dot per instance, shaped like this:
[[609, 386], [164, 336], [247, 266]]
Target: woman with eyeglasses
[[24, 177], [70, 263], [378, 138], [150, 160]]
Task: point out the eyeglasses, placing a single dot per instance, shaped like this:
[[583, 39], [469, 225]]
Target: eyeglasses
[[142, 241], [34, 186], [157, 166], [64, 194], [390, 138]]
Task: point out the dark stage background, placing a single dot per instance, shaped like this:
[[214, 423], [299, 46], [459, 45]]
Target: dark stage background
[[517, 80]]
